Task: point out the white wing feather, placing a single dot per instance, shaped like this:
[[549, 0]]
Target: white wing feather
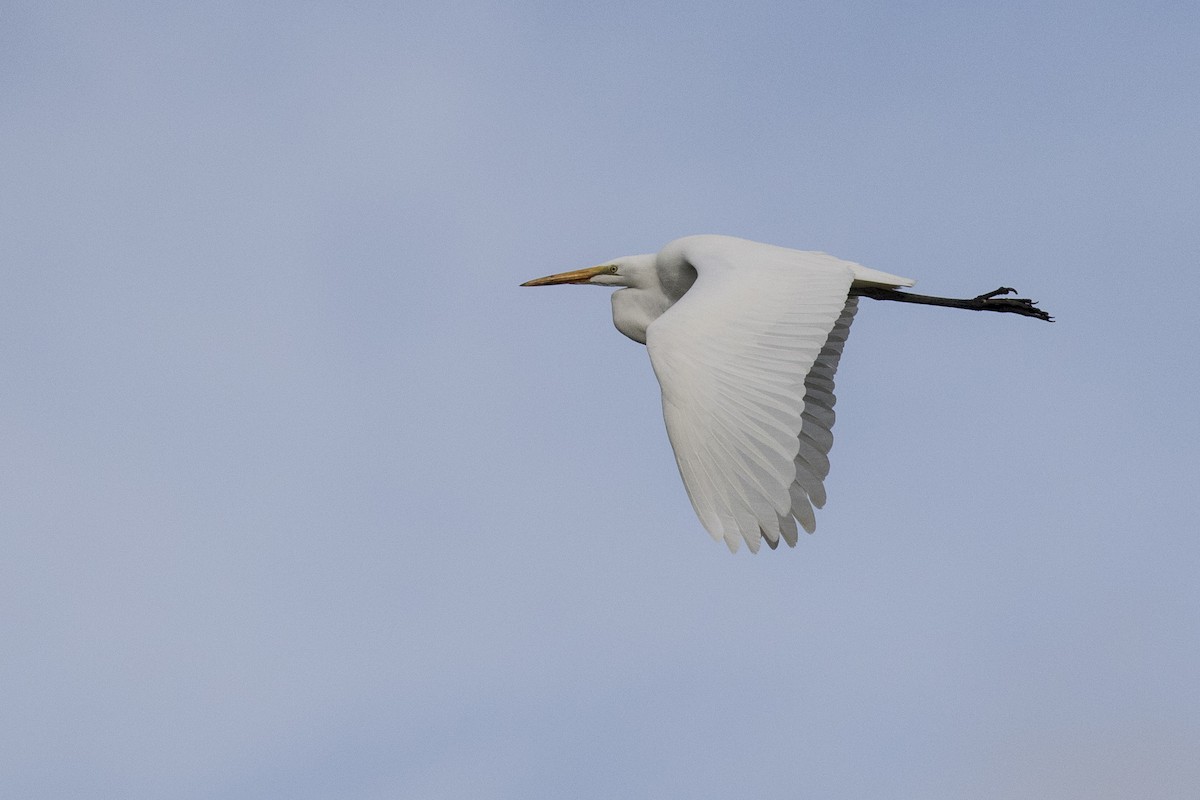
[[745, 360]]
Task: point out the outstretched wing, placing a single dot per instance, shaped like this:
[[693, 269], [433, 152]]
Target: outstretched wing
[[745, 360]]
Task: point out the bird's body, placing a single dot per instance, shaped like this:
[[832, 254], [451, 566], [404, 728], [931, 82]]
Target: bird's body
[[659, 280], [745, 339]]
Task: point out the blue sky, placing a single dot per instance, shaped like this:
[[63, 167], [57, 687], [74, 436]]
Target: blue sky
[[303, 497]]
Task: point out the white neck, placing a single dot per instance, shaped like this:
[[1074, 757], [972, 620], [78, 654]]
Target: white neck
[[643, 301]]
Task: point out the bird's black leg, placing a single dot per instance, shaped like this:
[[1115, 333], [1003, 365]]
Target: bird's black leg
[[991, 301]]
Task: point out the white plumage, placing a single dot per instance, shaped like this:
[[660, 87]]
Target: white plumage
[[745, 339]]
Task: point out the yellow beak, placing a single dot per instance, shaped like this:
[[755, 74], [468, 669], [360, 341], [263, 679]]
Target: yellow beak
[[574, 276]]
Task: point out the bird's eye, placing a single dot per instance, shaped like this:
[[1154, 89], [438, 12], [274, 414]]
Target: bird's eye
[[612, 270]]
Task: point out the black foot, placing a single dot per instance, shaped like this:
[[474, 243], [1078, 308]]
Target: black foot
[[993, 301]]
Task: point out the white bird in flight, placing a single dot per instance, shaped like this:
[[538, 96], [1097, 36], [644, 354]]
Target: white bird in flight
[[745, 338]]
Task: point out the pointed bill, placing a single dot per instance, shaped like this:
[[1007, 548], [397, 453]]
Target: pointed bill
[[574, 276]]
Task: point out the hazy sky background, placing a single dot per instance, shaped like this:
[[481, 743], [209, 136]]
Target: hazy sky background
[[302, 497]]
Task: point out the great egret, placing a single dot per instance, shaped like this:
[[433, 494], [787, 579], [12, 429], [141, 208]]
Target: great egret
[[745, 338]]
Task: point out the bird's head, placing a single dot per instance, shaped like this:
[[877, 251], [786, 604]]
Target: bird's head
[[630, 271]]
